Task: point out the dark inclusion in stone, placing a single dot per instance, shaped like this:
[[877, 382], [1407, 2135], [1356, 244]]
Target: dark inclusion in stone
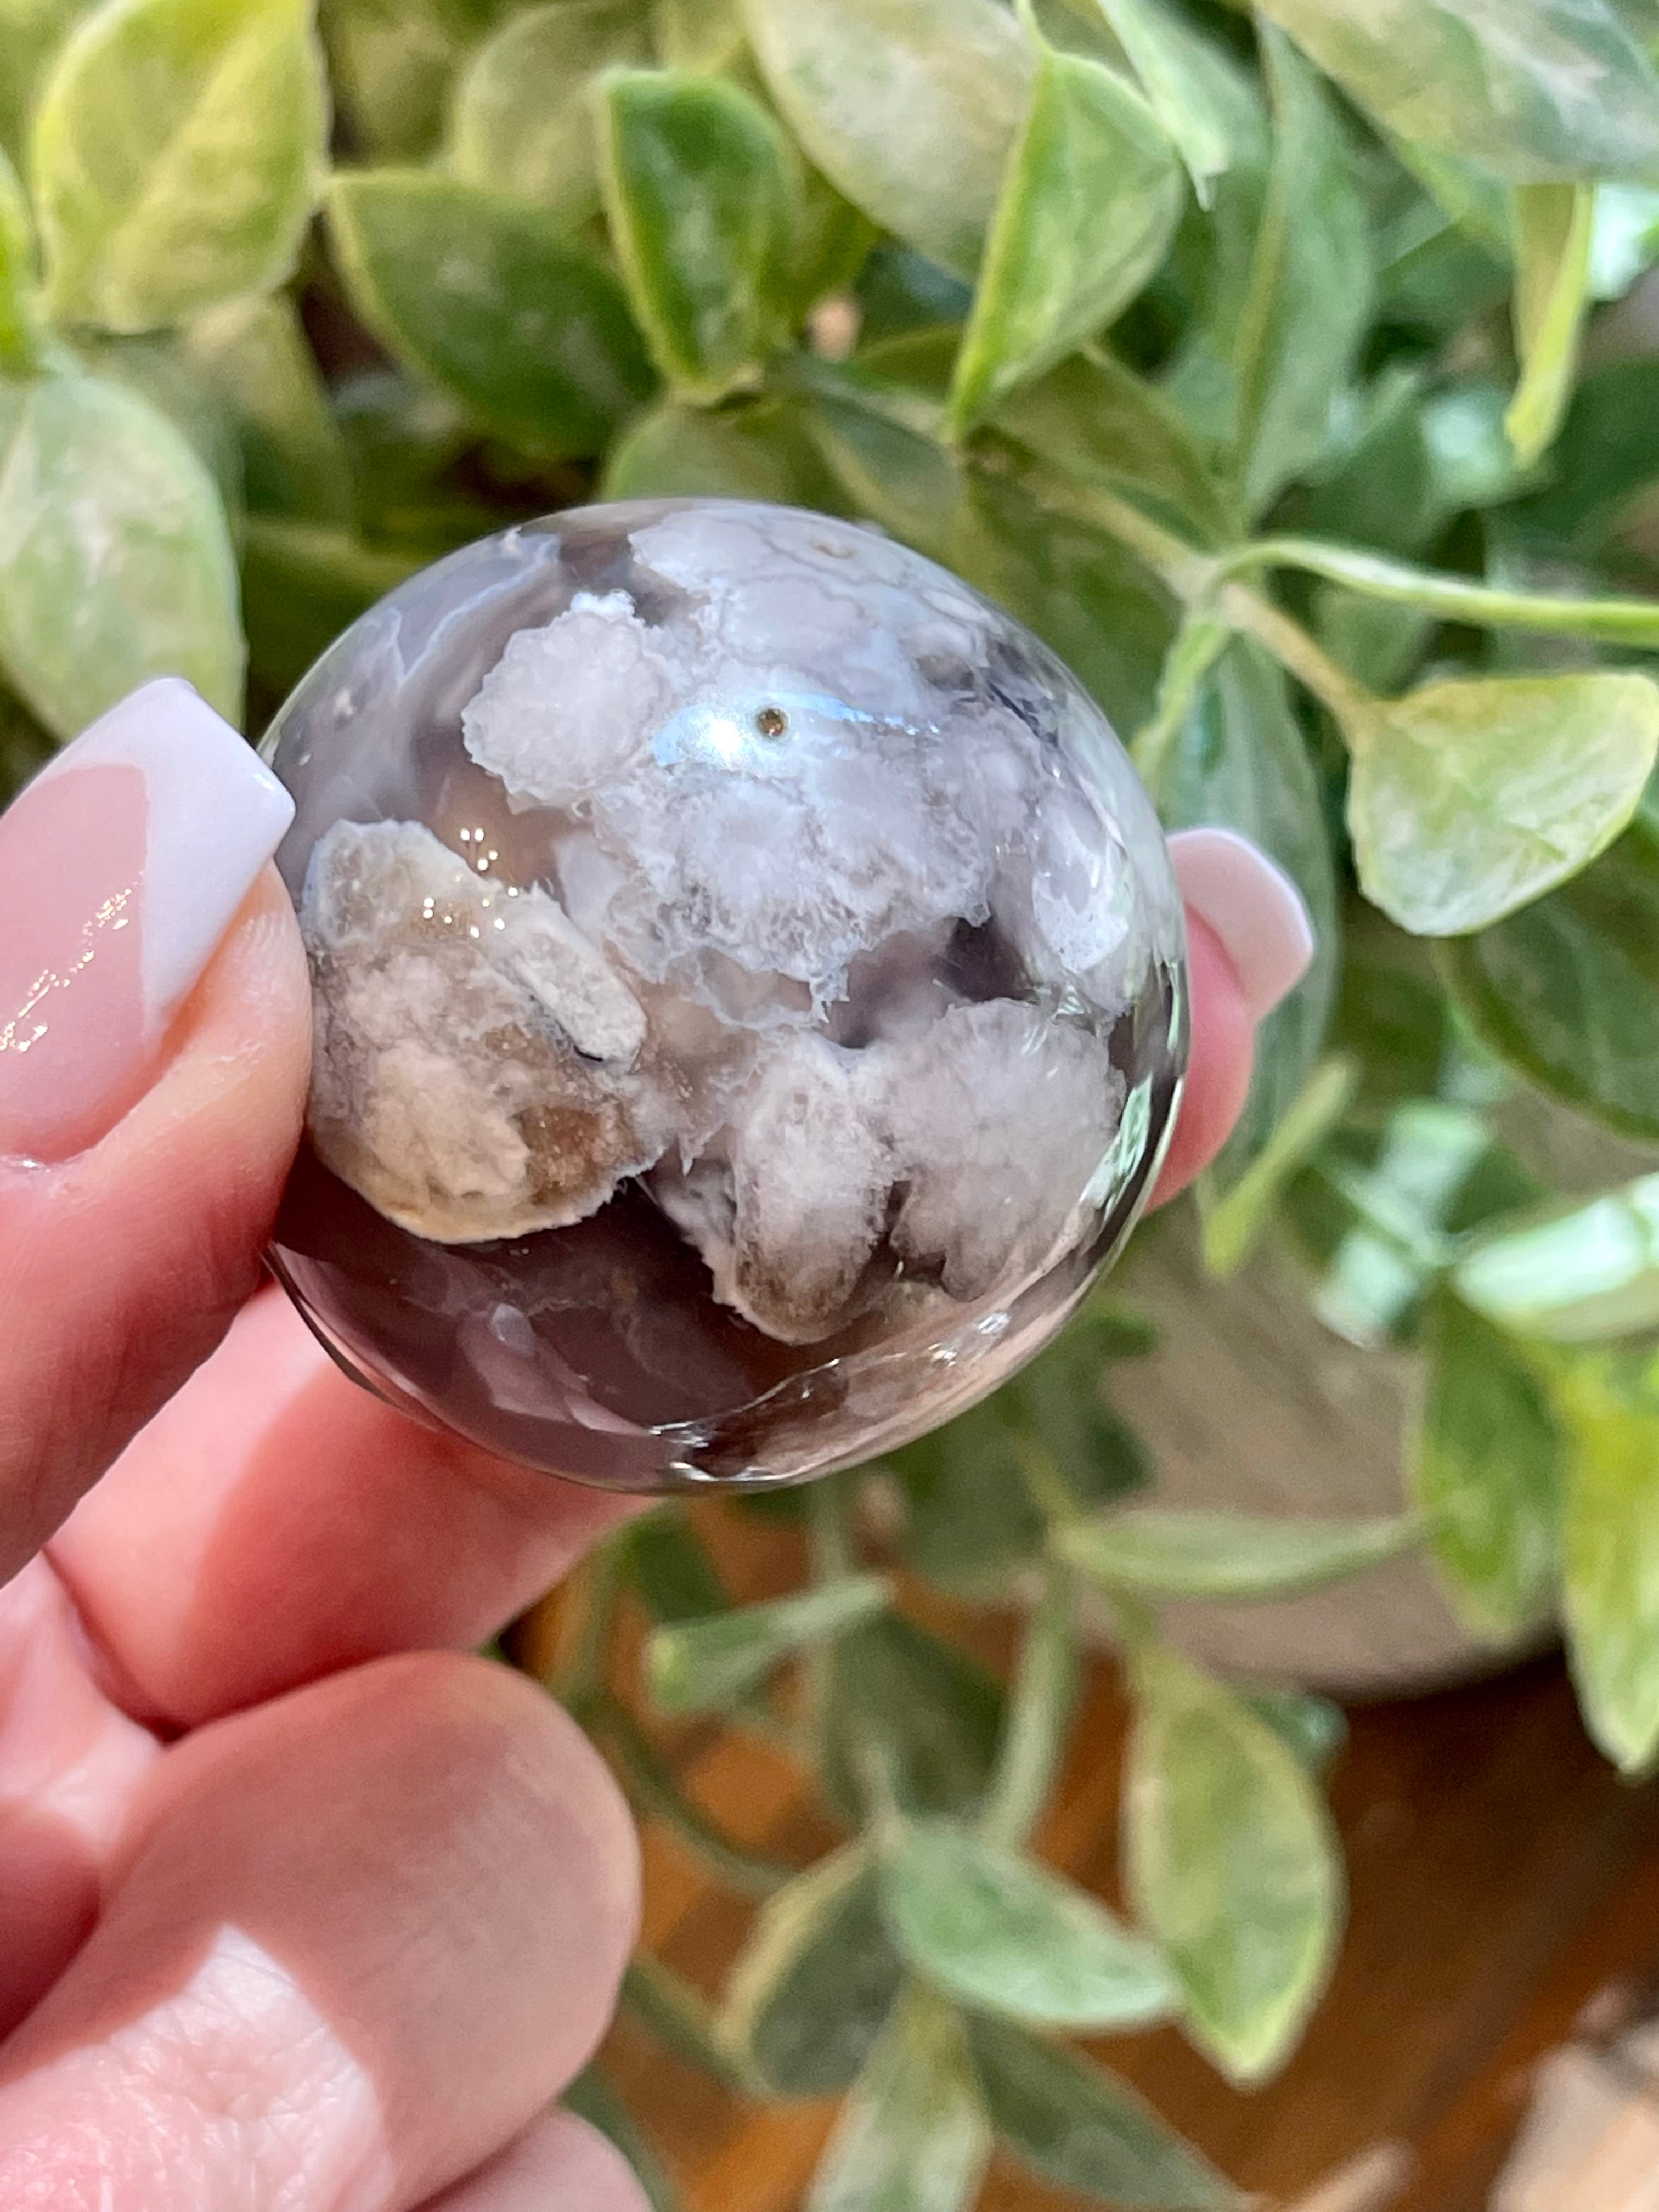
[[749, 994]]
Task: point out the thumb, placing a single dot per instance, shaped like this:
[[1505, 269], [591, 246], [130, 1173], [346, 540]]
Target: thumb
[[154, 1057]]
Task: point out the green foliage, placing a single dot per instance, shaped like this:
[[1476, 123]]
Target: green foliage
[[1263, 366]]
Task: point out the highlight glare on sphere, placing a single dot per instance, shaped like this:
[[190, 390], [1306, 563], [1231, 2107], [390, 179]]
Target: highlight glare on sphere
[[748, 986]]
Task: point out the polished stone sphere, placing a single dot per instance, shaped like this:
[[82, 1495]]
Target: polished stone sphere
[[749, 994]]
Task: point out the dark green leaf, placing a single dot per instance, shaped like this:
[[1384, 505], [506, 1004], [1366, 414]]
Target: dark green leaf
[[392, 62], [1087, 211], [908, 106], [1606, 456], [1567, 991], [31, 31], [1535, 89], [1226, 1555], [1471, 798], [703, 1666], [1235, 1221], [487, 298], [932, 1715], [1579, 1275], [997, 1931], [1609, 1406], [520, 122], [669, 1565], [253, 353], [1484, 1467], [1232, 1864], [704, 207], [758, 452], [303, 583], [1310, 285], [1086, 2130], [115, 561], [912, 2136], [177, 155], [820, 1976], [1552, 295]]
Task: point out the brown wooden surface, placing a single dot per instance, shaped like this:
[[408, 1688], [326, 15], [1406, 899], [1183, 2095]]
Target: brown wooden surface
[[1504, 1895]]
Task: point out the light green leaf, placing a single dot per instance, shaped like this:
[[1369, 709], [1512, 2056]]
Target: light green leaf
[[31, 31], [704, 207], [908, 106], [1086, 2130], [1552, 295], [817, 1982], [1484, 1468], [486, 297], [1537, 90], [392, 62], [912, 2136], [1226, 1555], [1240, 761], [1314, 1728], [1609, 1406], [995, 1930], [1624, 237], [1310, 285], [1098, 424], [303, 583], [1567, 991], [1580, 1275], [20, 333], [707, 1666], [1177, 68], [1087, 211], [761, 452], [697, 34], [253, 352], [520, 121], [1232, 1864], [115, 560], [177, 157], [1470, 798]]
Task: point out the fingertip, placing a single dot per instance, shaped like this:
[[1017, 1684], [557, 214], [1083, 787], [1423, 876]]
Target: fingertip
[[559, 2165], [1223, 1058]]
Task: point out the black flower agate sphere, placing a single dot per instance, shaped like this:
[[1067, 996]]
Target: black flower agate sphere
[[749, 994]]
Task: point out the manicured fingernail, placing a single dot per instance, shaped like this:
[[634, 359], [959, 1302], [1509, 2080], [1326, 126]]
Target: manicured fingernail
[[121, 868], [1252, 907]]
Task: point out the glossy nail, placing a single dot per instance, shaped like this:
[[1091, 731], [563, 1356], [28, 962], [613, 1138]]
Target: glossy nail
[[1252, 907], [122, 865]]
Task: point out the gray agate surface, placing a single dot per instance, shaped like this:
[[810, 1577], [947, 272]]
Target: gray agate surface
[[749, 994]]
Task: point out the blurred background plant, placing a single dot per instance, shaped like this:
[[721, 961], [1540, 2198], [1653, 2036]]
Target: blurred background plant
[[1295, 376]]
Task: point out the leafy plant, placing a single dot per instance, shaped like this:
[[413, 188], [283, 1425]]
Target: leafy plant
[[1271, 368]]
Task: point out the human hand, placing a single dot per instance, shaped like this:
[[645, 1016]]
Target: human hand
[[301, 1910]]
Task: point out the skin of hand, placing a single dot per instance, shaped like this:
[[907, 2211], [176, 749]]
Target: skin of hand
[[302, 1909]]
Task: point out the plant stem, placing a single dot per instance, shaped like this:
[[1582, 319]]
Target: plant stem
[[652, 1784], [1454, 599], [681, 2017], [1039, 1713], [578, 1680], [1349, 702]]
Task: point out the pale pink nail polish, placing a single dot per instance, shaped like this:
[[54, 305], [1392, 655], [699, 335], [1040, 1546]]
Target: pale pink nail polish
[[121, 867], [1252, 907]]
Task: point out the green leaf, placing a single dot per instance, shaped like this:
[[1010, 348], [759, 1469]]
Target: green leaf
[[758, 452], [1485, 1469], [912, 2136], [1609, 1406], [253, 353], [1177, 68], [1567, 992], [997, 1931], [488, 299], [908, 106], [670, 1566], [303, 583], [1310, 285], [697, 34], [1470, 798], [1235, 1221], [817, 1982], [706, 1666], [115, 560], [1086, 2130], [932, 1716], [520, 121], [1537, 90], [20, 333], [1582, 1274], [1232, 1864], [1226, 1555], [1312, 1727], [177, 156], [31, 31], [1240, 761], [1087, 211], [1552, 295], [1098, 424], [392, 62], [704, 209], [591, 2097]]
